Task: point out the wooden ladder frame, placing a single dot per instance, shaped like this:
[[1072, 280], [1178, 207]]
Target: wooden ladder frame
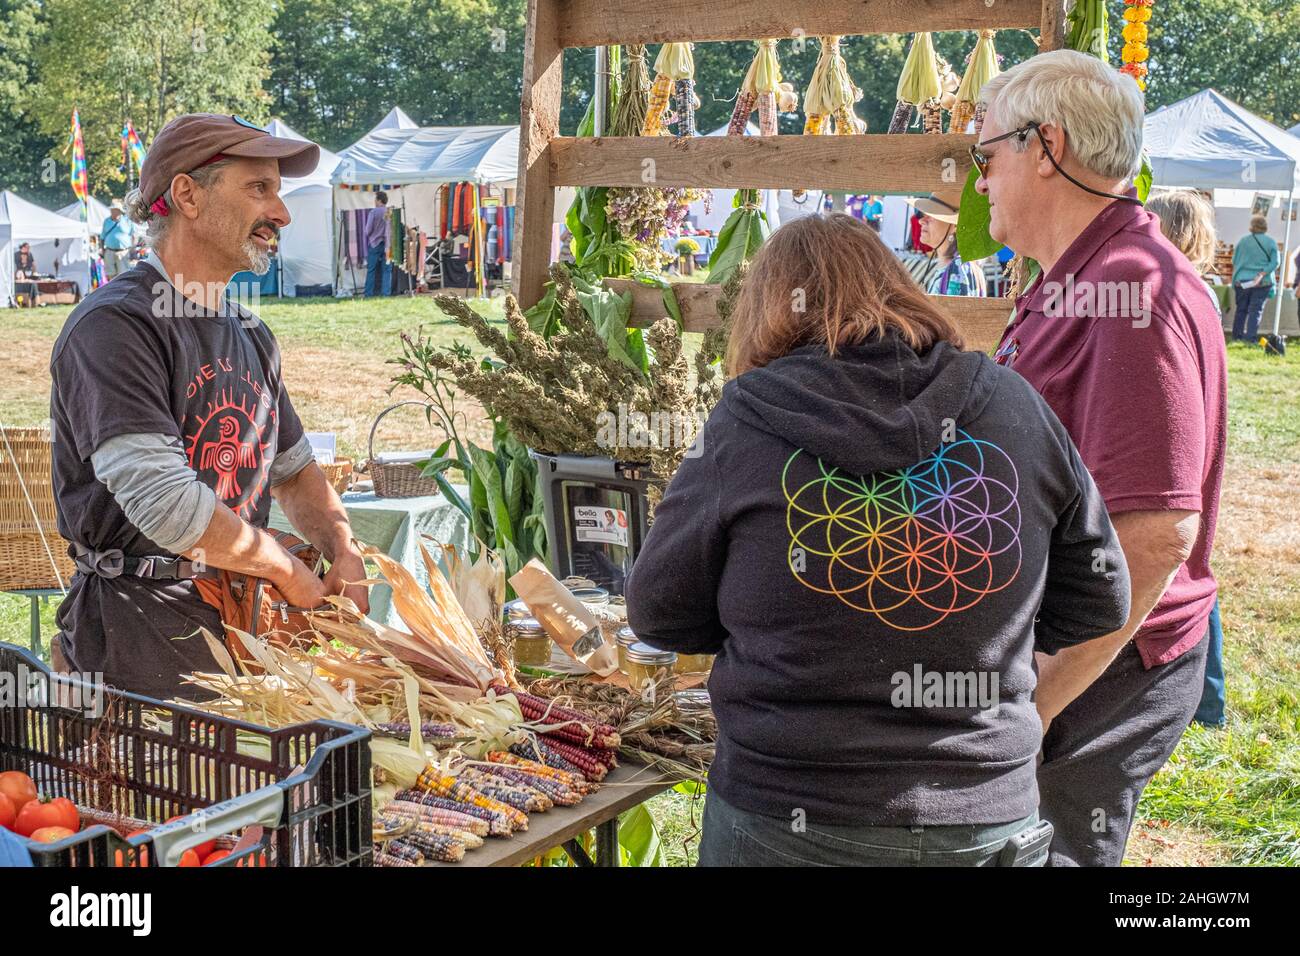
[[873, 162]]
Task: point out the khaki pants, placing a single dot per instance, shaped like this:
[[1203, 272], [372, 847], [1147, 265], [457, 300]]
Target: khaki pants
[[114, 262]]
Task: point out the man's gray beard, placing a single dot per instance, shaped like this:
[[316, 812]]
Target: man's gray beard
[[259, 260]]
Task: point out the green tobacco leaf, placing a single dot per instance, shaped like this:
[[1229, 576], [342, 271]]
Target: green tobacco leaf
[[738, 240], [973, 239], [1143, 181], [638, 837], [485, 470]]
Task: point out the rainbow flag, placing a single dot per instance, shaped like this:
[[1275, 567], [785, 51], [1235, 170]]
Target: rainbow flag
[[132, 148], [80, 183]]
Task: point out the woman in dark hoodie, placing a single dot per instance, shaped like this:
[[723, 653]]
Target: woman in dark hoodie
[[874, 534]]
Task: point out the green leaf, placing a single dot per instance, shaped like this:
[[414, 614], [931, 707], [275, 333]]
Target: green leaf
[[1143, 181], [453, 496], [973, 239], [514, 493], [436, 466], [485, 470], [738, 240], [638, 838]]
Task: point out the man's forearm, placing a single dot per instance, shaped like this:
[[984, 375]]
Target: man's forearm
[[231, 543], [313, 507], [1155, 546]]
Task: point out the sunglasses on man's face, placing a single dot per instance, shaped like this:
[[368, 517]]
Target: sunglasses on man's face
[[981, 158]]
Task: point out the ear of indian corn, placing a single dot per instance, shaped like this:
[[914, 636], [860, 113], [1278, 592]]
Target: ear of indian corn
[[395, 853], [660, 91], [499, 824], [521, 797], [437, 782], [438, 816], [918, 83], [740, 114], [432, 846]]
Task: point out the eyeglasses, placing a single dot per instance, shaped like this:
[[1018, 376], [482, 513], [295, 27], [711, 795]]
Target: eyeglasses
[[981, 161]]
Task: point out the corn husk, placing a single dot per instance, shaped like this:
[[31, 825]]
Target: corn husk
[[675, 62], [830, 91], [919, 80], [479, 586], [983, 66]]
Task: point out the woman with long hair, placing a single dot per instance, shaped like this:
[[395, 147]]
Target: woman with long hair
[[874, 533]]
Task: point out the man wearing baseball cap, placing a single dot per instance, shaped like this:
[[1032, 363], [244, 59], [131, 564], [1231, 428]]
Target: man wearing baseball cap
[[172, 427]]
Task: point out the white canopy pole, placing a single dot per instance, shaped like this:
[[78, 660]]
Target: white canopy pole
[[1286, 252]]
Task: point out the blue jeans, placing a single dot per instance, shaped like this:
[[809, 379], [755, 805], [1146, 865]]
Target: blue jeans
[[376, 268], [734, 837], [1210, 711], [1250, 308]]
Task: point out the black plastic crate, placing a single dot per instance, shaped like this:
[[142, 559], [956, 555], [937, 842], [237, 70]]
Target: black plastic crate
[[143, 759]]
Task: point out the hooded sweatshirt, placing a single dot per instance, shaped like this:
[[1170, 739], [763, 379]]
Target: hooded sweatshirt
[[874, 545]]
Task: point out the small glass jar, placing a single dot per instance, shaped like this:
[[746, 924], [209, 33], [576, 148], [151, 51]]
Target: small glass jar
[[624, 639], [532, 643], [516, 610], [693, 664], [596, 599], [644, 664]]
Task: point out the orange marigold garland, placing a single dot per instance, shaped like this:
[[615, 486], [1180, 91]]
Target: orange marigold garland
[[1137, 13]]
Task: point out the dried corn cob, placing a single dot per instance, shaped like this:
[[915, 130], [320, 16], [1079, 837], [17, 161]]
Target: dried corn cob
[[593, 764], [499, 824], [577, 727], [430, 731], [398, 854], [767, 114], [527, 799], [684, 95], [660, 91], [918, 83], [981, 67], [814, 125], [830, 91], [574, 781], [847, 122], [433, 847], [556, 792], [981, 110], [528, 751], [932, 116], [408, 809], [470, 841], [444, 786], [740, 114]]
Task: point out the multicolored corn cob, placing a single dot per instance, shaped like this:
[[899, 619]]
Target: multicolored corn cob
[[499, 824], [981, 110], [521, 797], [594, 764], [847, 122], [429, 731], [902, 117], [408, 809], [436, 781], [556, 792], [577, 727], [932, 116], [745, 102], [814, 125], [684, 97], [660, 91], [432, 846], [545, 756], [394, 853], [574, 781]]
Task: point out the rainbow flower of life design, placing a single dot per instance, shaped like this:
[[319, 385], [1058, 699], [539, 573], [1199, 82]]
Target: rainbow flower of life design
[[912, 546]]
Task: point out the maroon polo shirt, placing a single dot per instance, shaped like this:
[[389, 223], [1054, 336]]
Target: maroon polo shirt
[[1127, 348]]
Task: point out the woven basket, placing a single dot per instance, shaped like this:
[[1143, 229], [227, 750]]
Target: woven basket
[[397, 479], [339, 474], [26, 462]]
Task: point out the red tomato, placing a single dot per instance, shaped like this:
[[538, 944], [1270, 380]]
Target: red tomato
[[67, 811], [36, 814], [204, 848], [7, 813], [215, 856], [189, 858], [18, 787], [142, 857], [52, 834]]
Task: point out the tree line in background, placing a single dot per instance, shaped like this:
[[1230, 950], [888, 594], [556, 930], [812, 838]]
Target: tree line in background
[[333, 68]]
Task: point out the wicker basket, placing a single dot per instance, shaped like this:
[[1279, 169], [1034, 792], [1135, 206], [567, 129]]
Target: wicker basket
[[339, 474], [26, 547], [397, 479]]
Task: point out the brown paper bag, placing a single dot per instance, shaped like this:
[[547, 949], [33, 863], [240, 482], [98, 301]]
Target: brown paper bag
[[564, 618]]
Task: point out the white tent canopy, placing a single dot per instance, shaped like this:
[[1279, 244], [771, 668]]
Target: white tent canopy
[[396, 119], [1295, 130], [96, 213], [419, 161], [431, 154], [1209, 142], [307, 243], [57, 242]]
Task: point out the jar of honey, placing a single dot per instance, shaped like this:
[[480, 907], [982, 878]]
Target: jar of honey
[[645, 663], [532, 643], [625, 639], [693, 664]]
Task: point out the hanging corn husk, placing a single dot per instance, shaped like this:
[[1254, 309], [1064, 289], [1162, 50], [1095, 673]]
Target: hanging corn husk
[[831, 94], [673, 66], [762, 89], [981, 67], [479, 586], [919, 82]]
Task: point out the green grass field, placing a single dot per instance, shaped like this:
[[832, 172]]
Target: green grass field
[[1227, 796]]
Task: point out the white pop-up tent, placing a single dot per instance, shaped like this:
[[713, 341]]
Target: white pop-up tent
[[307, 243], [1209, 142], [58, 243], [413, 164], [96, 213]]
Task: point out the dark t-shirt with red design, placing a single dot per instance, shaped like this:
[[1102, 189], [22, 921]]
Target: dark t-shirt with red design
[[136, 357]]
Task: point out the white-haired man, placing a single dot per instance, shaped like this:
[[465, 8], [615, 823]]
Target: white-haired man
[[172, 425], [1119, 337]]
